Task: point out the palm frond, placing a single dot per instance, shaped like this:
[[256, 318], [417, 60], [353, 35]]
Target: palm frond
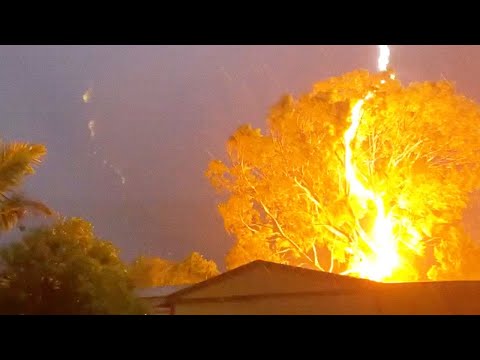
[[9, 216], [13, 209], [17, 160], [36, 207]]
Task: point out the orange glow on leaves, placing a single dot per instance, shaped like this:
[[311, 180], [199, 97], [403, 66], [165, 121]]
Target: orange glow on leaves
[[361, 176], [380, 257]]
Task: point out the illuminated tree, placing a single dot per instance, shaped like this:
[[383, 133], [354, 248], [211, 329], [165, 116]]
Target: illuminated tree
[[147, 272], [417, 146], [17, 160], [65, 269]]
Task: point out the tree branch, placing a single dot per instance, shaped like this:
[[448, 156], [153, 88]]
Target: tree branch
[[308, 193], [248, 226], [408, 150], [335, 231], [280, 229], [331, 261], [317, 264]]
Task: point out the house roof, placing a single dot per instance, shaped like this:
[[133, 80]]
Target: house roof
[[159, 291], [307, 280], [265, 281]]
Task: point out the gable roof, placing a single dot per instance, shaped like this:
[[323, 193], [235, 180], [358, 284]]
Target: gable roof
[[159, 291], [307, 280]]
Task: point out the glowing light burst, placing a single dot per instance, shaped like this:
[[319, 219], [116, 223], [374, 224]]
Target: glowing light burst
[[87, 97], [383, 58], [376, 254], [91, 127], [116, 170]]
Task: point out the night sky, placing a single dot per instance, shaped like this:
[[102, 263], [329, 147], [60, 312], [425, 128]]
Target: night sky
[[161, 113]]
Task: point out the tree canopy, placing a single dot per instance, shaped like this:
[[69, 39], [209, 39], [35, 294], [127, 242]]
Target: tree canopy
[[65, 269], [17, 161], [417, 146], [154, 271]]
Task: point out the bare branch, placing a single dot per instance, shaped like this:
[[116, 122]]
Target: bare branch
[[317, 264], [248, 226], [308, 193], [280, 229], [335, 231], [331, 261], [394, 161]]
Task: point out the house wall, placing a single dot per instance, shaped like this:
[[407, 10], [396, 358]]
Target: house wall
[[282, 305], [450, 298], [456, 299]]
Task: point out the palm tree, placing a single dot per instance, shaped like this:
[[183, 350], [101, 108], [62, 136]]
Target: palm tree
[[17, 160]]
